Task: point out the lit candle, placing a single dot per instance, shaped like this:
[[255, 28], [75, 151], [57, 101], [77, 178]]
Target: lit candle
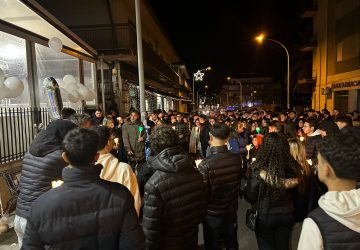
[[56, 184]]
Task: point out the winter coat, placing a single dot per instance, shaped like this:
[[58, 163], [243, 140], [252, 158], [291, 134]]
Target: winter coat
[[221, 173], [182, 130], [131, 134], [238, 144], [269, 205], [84, 213], [312, 147], [338, 227], [42, 165], [174, 201]]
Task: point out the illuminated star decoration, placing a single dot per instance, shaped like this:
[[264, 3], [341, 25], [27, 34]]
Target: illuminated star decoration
[[199, 76]]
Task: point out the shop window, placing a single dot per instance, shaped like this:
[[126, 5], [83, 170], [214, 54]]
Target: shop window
[[13, 64], [89, 78], [52, 64]]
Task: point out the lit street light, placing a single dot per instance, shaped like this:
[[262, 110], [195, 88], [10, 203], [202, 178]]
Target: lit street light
[[197, 94], [198, 76], [260, 38]]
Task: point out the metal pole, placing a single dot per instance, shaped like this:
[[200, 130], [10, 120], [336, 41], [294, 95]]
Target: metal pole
[[288, 72], [102, 85], [193, 102], [140, 60], [121, 106]]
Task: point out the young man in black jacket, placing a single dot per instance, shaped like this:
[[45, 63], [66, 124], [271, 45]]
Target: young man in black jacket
[[221, 173], [85, 212]]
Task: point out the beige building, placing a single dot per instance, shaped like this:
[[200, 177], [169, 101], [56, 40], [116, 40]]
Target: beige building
[[336, 55]]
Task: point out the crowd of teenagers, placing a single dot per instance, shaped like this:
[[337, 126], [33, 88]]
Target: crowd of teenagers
[[131, 184]]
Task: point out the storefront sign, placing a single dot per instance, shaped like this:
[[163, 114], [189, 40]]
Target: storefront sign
[[340, 85]]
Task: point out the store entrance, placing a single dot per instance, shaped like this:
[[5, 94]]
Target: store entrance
[[341, 101]]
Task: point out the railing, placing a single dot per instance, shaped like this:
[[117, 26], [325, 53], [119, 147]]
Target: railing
[[18, 127]]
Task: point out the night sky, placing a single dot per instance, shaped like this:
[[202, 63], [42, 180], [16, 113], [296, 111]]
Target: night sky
[[221, 34]]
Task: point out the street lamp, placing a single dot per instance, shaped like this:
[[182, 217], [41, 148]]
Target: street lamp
[[260, 38], [198, 76], [197, 94]]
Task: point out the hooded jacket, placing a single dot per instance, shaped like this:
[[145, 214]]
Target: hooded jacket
[[42, 164], [343, 207], [174, 201]]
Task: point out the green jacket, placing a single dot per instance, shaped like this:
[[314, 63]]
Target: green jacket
[[131, 133]]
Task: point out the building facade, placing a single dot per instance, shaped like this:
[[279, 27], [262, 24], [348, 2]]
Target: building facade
[[336, 56]]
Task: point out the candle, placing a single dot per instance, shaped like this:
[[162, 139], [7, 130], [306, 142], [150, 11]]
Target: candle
[[116, 140], [57, 183]]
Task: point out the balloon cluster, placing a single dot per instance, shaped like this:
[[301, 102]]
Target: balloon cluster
[[10, 88], [73, 91], [55, 44]]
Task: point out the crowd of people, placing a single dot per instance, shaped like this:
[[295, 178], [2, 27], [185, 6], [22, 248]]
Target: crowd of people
[[131, 184]]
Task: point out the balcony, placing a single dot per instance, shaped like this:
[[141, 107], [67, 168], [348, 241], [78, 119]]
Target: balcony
[[310, 45]]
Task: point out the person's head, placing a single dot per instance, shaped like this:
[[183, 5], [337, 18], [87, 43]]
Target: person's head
[[343, 121], [212, 114], [274, 126], [255, 117], [98, 113], [81, 120], [179, 118], [335, 112], [297, 151], [219, 134], [120, 120], [105, 141], [197, 123], [283, 117], [80, 147], [328, 128], [67, 112], [290, 130], [203, 118], [292, 115], [186, 120], [172, 119], [254, 141], [338, 159], [109, 123], [310, 125], [162, 137], [134, 116], [311, 112], [265, 122], [301, 123], [154, 116], [212, 121]]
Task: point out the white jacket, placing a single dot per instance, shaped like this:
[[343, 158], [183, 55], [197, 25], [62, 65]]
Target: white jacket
[[120, 172], [341, 206]]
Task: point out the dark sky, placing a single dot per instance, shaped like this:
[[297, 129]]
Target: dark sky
[[221, 34]]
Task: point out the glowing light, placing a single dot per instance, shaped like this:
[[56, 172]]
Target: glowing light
[[10, 52], [260, 38], [199, 76]]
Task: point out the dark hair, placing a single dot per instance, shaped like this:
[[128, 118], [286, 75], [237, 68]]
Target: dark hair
[[80, 119], [233, 132], [290, 130], [80, 146], [313, 122], [275, 124], [274, 157], [329, 127], [134, 111], [346, 119], [67, 112], [104, 134], [162, 137], [342, 152], [220, 131]]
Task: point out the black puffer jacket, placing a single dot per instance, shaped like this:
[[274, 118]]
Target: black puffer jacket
[[312, 147], [42, 164], [84, 213], [175, 201], [222, 172]]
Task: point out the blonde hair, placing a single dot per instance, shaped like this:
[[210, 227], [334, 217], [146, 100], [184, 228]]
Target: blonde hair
[[297, 150]]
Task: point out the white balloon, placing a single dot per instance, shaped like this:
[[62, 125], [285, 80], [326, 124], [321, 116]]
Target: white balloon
[[73, 98], [55, 44], [79, 85], [84, 91], [2, 76], [15, 85], [3, 91], [71, 87], [64, 93], [69, 79]]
